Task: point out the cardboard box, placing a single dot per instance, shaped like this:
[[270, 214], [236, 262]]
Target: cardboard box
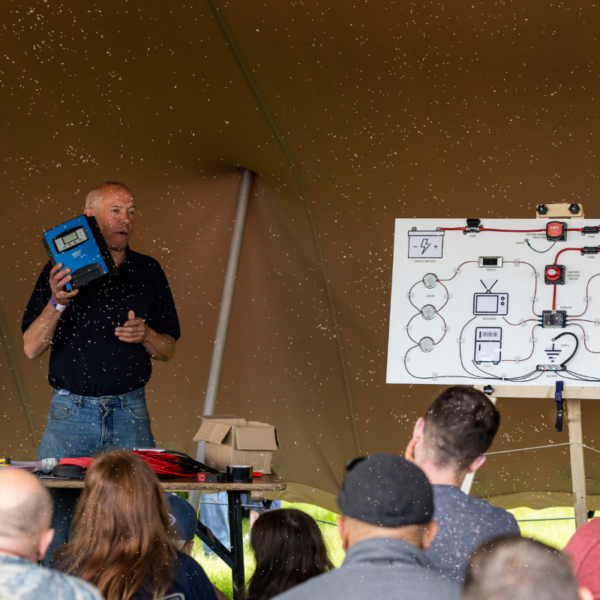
[[234, 441]]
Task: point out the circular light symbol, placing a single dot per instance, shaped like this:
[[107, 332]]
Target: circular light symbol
[[430, 280], [428, 312], [426, 344]]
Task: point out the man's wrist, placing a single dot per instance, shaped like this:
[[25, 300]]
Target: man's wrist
[[56, 305], [147, 334]]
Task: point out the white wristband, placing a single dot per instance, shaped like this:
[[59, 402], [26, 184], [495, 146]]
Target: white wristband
[[57, 306]]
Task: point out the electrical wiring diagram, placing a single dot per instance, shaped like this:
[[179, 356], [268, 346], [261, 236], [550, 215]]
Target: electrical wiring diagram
[[498, 300]]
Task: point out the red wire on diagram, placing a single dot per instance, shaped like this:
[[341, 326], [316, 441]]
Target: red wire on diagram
[[447, 297], [535, 282], [584, 342], [457, 270], [502, 230], [587, 288], [532, 347], [445, 328], [566, 250]]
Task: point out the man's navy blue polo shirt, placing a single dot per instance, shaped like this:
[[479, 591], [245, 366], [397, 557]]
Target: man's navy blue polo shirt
[[86, 357]]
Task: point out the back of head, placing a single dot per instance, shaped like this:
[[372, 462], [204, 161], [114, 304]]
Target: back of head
[[460, 426], [289, 549], [584, 550], [386, 496], [516, 568], [119, 538], [386, 490], [25, 512]]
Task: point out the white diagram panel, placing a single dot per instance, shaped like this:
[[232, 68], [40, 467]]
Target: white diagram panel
[[501, 300]]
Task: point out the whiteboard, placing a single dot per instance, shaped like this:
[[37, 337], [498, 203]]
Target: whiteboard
[[468, 308]]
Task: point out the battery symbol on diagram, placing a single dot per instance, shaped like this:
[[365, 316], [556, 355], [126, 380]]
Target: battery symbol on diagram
[[425, 244]]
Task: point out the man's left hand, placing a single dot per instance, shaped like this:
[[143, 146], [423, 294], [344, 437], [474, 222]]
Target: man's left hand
[[134, 331]]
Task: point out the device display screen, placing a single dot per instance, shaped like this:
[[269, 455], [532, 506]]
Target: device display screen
[[70, 239]]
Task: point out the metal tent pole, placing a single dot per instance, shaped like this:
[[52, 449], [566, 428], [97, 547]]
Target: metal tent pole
[[216, 363]]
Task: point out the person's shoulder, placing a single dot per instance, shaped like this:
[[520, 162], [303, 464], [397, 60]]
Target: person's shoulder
[[142, 259], [496, 517], [190, 568], [80, 590], [191, 576], [450, 499], [320, 586], [48, 583]]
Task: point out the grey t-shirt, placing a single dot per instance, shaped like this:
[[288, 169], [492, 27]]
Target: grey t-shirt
[[378, 569], [463, 523]]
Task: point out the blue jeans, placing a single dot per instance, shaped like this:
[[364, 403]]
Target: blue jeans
[[84, 426]]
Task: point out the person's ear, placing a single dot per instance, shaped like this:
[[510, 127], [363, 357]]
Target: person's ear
[[343, 531], [428, 535], [417, 436], [44, 543], [476, 464], [88, 212], [188, 547], [585, 594]]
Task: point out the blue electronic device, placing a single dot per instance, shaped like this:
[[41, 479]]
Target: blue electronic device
[[79, 245]]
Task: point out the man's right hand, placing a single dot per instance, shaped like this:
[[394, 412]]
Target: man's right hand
[[58, 280]]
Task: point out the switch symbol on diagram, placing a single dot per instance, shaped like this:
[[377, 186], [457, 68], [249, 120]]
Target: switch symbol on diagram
[[425, 244]]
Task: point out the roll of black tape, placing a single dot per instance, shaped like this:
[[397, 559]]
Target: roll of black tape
[[70, 471], [239, 473]]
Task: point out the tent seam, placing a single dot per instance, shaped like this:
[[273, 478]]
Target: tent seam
[[227, 32]]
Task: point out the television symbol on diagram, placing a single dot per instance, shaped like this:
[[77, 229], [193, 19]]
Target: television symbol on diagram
[[488, 345], [488, 303], [425, 244]]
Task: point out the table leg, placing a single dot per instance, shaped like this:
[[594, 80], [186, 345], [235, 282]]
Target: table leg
[[234, 501]]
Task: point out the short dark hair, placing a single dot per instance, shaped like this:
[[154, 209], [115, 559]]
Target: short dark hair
[[289, 550], [460, 426], [516, 568]]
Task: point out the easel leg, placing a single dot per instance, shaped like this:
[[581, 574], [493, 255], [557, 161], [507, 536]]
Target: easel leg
[[237, 544], [577, 465]]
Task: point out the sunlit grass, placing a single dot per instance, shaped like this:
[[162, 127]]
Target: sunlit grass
[[554, 533]]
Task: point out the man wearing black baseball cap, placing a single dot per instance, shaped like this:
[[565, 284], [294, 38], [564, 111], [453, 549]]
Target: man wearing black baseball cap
[[386, 525]]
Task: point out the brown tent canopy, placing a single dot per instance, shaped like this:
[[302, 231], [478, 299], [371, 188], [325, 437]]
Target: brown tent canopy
[[352, 114]]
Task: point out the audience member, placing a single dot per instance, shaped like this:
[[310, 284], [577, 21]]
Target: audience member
[[584, 550], [183, 521], [119, 538], [516, 568], [386, 525], [447, 444], [289, 550], [25, 534]]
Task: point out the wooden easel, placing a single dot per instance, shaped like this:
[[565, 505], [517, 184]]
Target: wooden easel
[[572, 395]]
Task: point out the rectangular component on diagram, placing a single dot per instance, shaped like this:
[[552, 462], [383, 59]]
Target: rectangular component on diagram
[[425, 244], [490, 304], [488, 345], [490, 262]]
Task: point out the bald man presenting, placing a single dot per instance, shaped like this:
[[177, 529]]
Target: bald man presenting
[[102, 337], [25, 512]]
